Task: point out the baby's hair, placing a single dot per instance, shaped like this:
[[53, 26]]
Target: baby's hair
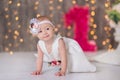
[[42, 18]]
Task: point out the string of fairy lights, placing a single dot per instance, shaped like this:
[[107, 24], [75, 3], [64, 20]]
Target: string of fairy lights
[[107, 28], [92, 21], [17, 35]]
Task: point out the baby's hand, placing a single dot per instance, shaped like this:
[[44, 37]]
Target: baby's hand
[[60, 73], [36, 73]]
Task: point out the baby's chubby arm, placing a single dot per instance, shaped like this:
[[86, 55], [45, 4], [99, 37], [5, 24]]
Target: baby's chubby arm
[[39, 62], [63, 56]]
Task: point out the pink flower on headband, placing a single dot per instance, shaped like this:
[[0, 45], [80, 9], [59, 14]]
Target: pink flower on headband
[[34, 25]]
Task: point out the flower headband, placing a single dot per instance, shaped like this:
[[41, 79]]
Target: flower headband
[[35, 24]]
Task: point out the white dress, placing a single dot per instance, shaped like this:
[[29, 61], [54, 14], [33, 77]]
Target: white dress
[[77, 61]]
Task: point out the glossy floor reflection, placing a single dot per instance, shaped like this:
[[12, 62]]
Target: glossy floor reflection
[[19, 66]]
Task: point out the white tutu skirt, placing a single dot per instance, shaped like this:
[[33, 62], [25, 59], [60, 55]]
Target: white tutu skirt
[[77, 61]]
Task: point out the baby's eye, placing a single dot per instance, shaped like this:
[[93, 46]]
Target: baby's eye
[[47, 28], [40, 32]]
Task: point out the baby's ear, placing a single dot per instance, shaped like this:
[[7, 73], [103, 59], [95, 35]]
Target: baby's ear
[[53, 29], [34, 35]]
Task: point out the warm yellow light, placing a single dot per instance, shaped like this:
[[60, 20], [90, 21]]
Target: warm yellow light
[[92, 8], [56, 29], [10, 2], [21, 40], [15, 37], [91, 19], [9, 44], [93, 13], [109, 28], [103, 43], [18, 4], [60, 0], [9, 23], [37, 3], [106, 17], [94, 26], [16, 33], [73, 2], [106, 28], [110, 46], [11, 52], [87, 4], [58, 7], [106, 5], [6, 36], [6, 49], [16, 18], [36, 7], [15, 12], [6, 9], [38, 15], [93, 1], [86, 0], [19, 26], [95, 37], [69, 27], [50, 1], [7, 16], [92, 32], [51, 8], [59, 25], [107, 40]]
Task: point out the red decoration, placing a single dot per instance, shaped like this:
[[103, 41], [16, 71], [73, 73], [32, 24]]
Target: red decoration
[[54, 63], [79, 15]]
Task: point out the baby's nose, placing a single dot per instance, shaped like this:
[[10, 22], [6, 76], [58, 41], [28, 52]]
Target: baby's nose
[[45, 32]]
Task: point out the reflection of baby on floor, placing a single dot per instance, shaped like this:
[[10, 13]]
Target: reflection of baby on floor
[[58, 50]]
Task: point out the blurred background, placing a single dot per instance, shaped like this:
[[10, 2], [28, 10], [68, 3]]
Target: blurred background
[[16, 14]]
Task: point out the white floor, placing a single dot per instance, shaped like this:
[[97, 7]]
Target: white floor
[[19, 66]]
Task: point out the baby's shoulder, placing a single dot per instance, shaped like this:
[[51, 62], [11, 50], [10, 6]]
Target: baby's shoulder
[[61, 40], [40, 42]]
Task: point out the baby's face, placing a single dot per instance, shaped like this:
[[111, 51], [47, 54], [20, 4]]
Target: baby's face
[[46, 32]]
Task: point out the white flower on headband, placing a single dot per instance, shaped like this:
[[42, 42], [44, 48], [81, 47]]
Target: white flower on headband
[[34, 30], [33, 21]]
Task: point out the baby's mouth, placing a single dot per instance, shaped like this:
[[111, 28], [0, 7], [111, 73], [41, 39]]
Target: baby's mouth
[[46, 36]]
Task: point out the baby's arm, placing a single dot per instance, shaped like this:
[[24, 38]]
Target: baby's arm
[[39, 62], [63, 56]]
